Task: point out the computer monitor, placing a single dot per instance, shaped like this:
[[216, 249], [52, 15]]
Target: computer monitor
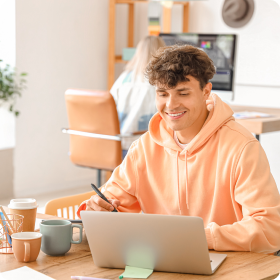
[[221, 49]]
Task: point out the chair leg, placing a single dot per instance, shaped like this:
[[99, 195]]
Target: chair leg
[[98, 178]]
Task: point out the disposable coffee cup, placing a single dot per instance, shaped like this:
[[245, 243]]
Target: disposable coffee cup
[[27, 207]]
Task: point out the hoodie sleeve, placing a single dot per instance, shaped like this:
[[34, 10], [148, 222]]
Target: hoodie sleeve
[[122, 185], [256, 193]]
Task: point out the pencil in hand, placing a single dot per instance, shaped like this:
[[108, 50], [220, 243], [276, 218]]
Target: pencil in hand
[[101, 195]]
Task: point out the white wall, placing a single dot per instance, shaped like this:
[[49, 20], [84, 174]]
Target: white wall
[[7, 119], [7, 31], [8, 55], [61, 44]]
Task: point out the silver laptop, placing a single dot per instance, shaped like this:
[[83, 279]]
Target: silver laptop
[[158, 242]]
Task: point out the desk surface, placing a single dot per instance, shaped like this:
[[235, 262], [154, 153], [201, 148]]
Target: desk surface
[[78, 261], [259, 125]]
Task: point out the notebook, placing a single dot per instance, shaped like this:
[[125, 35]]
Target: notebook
[[24, 273]]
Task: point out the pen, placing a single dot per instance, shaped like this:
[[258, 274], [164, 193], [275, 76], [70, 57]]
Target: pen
[[102, 196], [86, 278]]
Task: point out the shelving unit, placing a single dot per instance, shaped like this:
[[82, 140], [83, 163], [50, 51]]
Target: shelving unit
[[112, 57]]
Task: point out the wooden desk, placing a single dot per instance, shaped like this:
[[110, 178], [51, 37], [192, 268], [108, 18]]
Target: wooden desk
[[78, 261], [260, 125]]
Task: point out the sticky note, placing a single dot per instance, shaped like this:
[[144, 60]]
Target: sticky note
[[136, 272]]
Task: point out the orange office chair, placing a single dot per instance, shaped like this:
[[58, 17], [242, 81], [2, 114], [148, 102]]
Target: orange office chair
[[94, 130], [95, 139]]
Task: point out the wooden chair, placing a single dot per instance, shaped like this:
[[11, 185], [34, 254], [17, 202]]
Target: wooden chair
[[70, 203]]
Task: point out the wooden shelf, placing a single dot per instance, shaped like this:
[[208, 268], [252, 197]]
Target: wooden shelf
[[130, 1], [145, 1], [118, 59], [112, 58]]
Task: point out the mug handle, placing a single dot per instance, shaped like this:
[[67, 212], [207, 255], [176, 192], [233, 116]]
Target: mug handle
[[81, 234], [26, 251]]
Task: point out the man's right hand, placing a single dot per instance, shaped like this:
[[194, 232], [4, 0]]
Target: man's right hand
[[96, 203]]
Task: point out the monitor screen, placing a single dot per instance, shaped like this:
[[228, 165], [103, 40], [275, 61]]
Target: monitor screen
[[220, 48]]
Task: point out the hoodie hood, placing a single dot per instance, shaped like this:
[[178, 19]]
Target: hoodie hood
[[219, 115]]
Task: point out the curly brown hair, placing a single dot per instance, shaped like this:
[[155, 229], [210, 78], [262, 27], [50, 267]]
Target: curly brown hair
[[170, 66]]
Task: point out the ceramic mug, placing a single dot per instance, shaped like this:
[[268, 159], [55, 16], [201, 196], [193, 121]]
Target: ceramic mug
[[26, 246], [57, 236]]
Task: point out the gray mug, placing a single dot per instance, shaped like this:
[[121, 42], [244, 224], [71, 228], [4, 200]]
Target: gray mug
[[57, 236]]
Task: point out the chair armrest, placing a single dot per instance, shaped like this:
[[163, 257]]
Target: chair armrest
[[92, 135], [117, 137]]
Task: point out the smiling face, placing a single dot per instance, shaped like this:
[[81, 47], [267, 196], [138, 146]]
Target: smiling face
[[183, 108]]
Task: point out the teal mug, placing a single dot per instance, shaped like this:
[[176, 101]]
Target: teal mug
[[57, 236]]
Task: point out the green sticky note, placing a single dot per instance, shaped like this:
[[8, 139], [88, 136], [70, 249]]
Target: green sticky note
[[136, 272]]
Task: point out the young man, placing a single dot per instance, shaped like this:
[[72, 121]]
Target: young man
[[195, 160]]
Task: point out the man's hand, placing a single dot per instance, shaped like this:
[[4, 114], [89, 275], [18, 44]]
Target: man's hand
[[96, 203]]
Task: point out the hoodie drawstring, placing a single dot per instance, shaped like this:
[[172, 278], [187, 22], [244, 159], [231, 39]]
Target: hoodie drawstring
[[178, 183], [187, 193]]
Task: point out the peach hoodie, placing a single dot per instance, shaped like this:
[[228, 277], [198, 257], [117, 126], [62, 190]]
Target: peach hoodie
[[222, 176]]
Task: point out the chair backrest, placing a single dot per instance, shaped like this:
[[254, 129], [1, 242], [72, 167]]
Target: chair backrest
[[95, 112], [64, 206]]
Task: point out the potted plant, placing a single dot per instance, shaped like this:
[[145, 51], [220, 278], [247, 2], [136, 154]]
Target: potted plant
[[11, 86]]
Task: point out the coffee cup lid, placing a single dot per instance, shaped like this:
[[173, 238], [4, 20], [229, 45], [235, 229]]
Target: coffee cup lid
[[23, 203]]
